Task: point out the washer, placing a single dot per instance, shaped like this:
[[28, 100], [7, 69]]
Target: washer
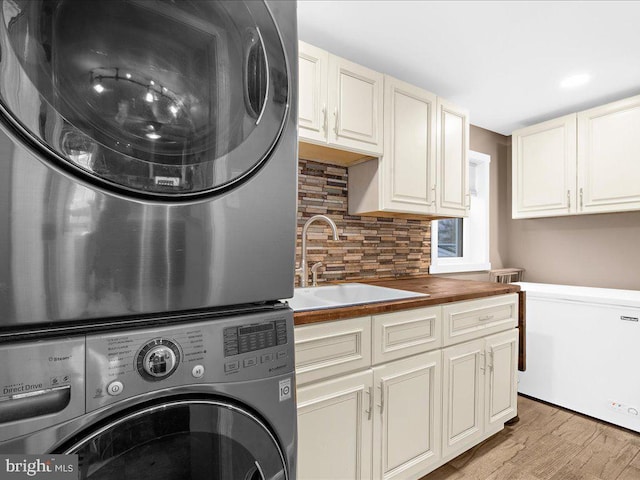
[[195, 400]]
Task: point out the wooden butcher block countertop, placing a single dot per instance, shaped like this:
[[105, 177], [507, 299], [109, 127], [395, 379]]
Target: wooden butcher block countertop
[[441, 290]]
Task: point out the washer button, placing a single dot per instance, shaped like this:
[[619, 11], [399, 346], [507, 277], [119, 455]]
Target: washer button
[[281, 354], [198, 371], [232, 366], [250, 362], [267, 357], [115, 388]]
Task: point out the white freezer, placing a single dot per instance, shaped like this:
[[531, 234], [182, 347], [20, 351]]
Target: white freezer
[[583, 350]]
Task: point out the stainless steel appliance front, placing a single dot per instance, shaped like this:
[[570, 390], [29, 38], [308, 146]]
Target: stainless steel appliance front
[[147, 157], [180, 402]]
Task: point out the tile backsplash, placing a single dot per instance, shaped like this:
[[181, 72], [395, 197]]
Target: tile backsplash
[[369, 247]]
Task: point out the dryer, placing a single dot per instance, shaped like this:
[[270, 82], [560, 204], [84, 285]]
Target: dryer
[[148, 157], [203, 399]]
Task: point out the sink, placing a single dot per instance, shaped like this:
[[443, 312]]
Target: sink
[[345, 294]]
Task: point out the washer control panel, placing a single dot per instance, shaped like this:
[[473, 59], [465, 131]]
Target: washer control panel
[[127, 363], [158, 359], [258, 336]]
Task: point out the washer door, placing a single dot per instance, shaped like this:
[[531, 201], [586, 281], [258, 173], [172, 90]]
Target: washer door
[[154, 98], [182, 440]]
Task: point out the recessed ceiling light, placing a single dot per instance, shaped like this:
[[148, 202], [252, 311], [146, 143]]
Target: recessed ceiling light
[[575, 80]]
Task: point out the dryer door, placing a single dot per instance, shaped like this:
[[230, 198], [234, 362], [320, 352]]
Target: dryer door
[[159, 98], [182, 440]]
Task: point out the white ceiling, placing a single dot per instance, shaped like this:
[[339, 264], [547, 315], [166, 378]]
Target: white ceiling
[[502, 60]]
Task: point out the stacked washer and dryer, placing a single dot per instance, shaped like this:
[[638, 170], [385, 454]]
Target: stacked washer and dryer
[[148, 161]]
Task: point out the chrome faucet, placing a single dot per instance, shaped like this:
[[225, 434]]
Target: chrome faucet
[[303, 269]]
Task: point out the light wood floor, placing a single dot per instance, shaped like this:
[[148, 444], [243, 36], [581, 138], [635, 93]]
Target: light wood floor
[[549, 443]]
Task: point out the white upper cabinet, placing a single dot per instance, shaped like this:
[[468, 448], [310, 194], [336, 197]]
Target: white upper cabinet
[[609, 157], [581, 163], [544, 169], [453, 160], [406, 149], [313, 65], [408, 163], [404, 179], [340, 102], [355, 106], [424, 169]]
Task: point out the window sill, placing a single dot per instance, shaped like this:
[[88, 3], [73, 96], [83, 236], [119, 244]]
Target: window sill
[[460, 268]]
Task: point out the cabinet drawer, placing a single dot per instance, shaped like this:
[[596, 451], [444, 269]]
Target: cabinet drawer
[[404, 333], [332, 348], [464, 321]]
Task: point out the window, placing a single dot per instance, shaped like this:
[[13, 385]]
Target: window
[[462, 244], [450, 233]]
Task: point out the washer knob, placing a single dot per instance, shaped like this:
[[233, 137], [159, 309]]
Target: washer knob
[[158, 359]]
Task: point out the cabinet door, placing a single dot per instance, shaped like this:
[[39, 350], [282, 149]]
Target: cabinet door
[[313, 64], [462, 396], [355, 105], [544, 169], [409, 160], [407, 428], [334, 428], [501, 379], [609, 157], [453, 162]]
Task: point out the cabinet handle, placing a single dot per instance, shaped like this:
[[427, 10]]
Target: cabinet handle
[[325, 121], [482, 362], [491, 361], [335, 129], [467, 205], [569, 199], [370, 394], [580, 198], [433, 189], [485, 318], [381, 404]]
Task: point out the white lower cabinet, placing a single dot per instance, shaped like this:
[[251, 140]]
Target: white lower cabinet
[[406, 427], [414, 405], [501, 379], [334, 428], [463, 399], [479, 390]]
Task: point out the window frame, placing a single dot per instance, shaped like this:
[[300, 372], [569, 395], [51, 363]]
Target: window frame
[[476, 225]]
